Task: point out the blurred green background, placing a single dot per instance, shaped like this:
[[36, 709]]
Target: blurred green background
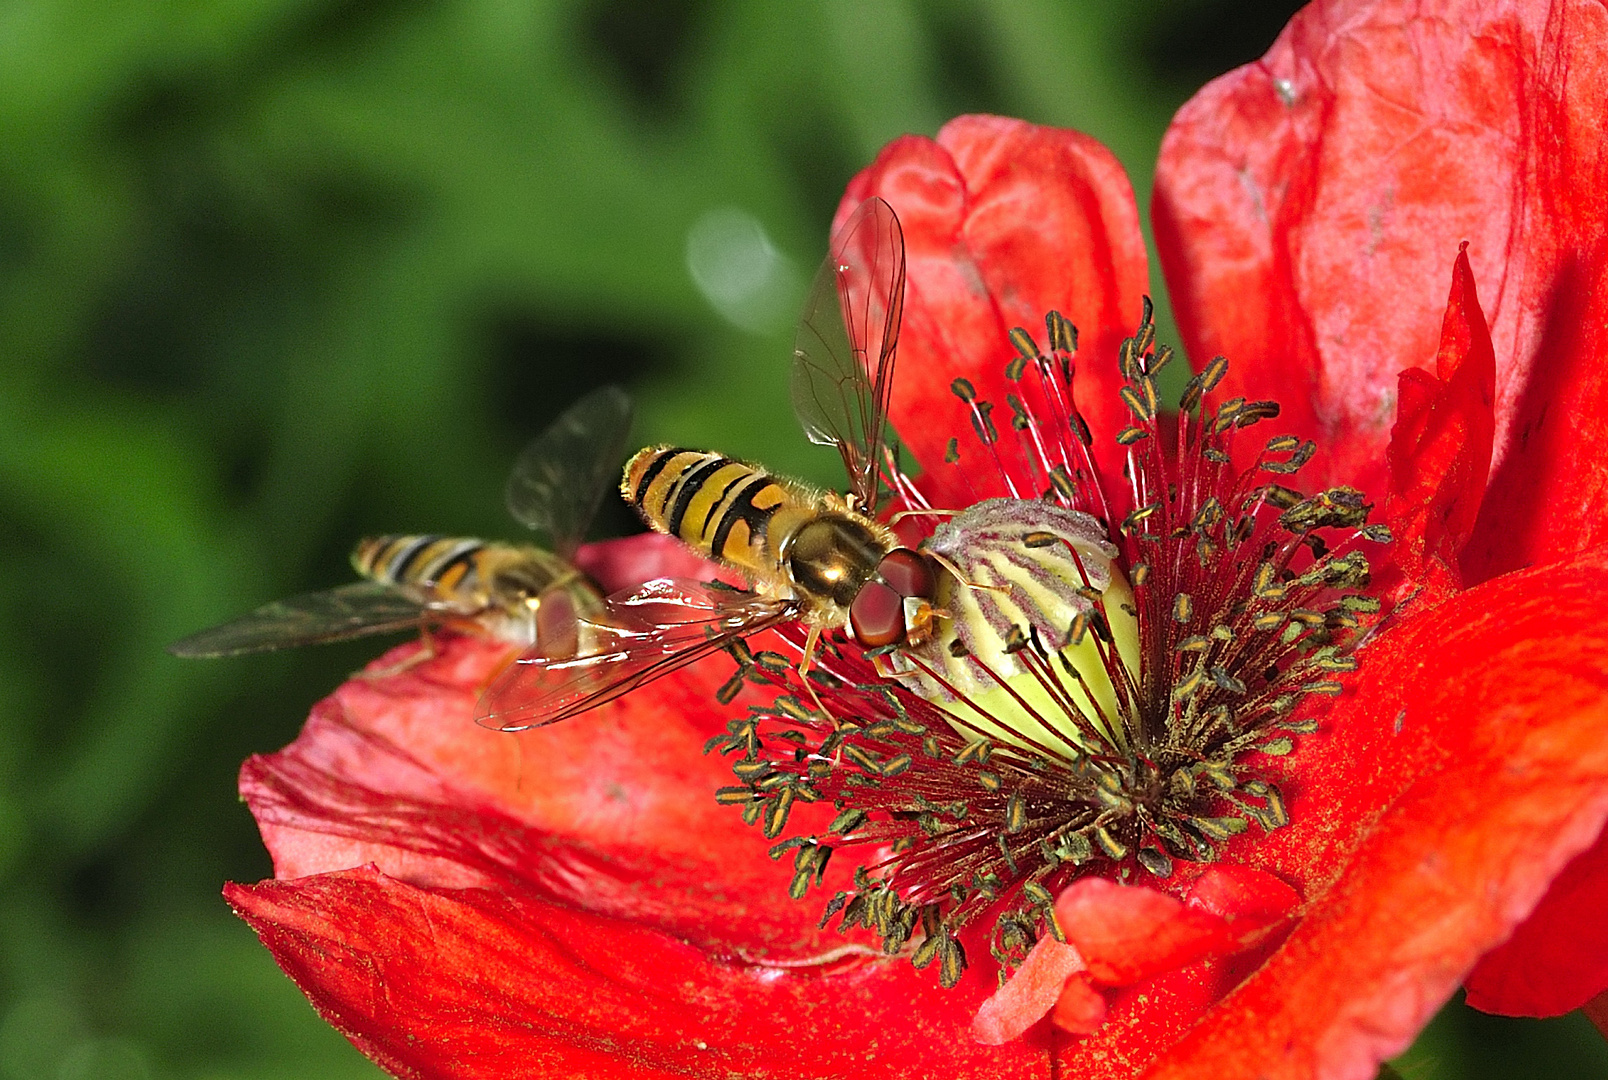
[[278, 273]]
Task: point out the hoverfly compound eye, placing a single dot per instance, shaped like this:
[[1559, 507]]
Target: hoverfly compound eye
[[877, 616], [908, 573]]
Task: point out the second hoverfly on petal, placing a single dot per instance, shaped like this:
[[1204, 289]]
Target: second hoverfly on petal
[[519, 593], [816, 558]]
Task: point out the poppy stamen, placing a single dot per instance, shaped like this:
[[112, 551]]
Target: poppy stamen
[[1099, 698]]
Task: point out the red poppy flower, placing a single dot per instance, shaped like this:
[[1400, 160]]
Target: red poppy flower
[[572, 901]]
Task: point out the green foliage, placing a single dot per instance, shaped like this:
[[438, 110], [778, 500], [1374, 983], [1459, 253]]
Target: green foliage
[[277, 273]]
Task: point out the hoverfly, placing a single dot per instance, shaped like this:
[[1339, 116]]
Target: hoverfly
[[817, 558], [521, 594]]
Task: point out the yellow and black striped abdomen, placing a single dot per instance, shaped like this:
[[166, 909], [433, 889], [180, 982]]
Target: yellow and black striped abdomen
[[725, 509], [432, 569]]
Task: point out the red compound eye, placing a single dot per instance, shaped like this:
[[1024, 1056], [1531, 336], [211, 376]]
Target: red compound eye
[[877, 616], [908, 573]]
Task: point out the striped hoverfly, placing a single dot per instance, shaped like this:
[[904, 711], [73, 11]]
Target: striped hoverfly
[[522, 594], [812, 557]]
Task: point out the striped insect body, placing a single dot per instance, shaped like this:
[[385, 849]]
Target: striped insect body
[[794, 543], [517, 593], [528, 596]]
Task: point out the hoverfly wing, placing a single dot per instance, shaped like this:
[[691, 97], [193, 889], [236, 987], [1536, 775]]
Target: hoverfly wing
[[560, 479], [633, 639], [355, 610], [843, 354]]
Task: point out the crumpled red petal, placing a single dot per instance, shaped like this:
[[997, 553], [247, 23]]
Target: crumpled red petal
[[627, 561], [1031, 992], [1248, 900], [1119, 936], [1126, 934], [1003, 221], [1080, 1008], [589, 830], [1440, 448], [1305, 205], [475, 984], [1455, 715]]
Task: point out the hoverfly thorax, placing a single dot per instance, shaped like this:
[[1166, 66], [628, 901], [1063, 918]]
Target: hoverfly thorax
[[831, 557]]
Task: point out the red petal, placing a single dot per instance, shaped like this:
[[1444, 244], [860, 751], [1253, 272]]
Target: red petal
[[1471, 743], [1030, 992], [1080, 1009], [1305, 205], [473, 985], [393, 770], [1557, 960], [632, 773], [1126, 934], [1248, 899], [1004, 221], [341, 797], [1440, 448]]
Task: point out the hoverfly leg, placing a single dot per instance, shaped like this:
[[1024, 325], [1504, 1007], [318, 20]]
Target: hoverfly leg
[[810, 642], [954, 572], [922, 512], [424, 655], [519, 765]]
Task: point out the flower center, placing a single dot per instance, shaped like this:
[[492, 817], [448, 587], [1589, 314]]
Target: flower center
[[1102, 696], [1022, 572]]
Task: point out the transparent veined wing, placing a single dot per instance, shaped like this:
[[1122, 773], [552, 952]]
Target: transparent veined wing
[[363, 607], [635, 638], [844, 352], [560, 479]]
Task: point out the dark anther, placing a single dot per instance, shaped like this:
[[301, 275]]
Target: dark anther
[[1063, 335], [1024, 343]]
